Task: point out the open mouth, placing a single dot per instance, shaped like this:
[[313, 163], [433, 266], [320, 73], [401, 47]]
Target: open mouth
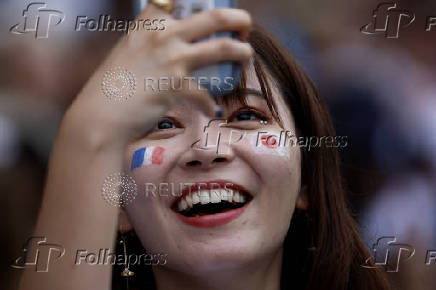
[[201, 201], [205, 202]]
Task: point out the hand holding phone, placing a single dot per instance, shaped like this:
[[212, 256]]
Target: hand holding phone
[[222, 78]]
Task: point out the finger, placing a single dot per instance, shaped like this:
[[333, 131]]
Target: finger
[[152, 11], [209, 22], [150, 14], [218, 50]]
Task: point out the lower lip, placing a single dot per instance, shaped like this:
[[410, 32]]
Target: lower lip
[[212, 220]]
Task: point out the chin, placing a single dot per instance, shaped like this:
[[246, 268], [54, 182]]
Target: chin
[[218, 253]]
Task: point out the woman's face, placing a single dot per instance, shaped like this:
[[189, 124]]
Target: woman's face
[[215, 233]]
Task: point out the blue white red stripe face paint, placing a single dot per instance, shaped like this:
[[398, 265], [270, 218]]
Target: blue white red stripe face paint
[[147, 156]]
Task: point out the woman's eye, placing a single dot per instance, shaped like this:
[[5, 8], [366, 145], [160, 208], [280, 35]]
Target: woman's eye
[[164, 128], [247, 115], [165, 124]]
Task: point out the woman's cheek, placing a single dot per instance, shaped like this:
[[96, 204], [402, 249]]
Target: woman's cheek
[[148, 164], [268, 155], [269, 144], [279, 170], [264, 144], [147, 156]]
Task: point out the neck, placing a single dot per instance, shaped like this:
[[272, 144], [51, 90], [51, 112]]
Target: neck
[[259, 275]]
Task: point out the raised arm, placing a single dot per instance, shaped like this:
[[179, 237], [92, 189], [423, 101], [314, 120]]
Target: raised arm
[[96, 130]]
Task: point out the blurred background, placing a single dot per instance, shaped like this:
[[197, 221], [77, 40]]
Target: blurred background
[[381, 92]]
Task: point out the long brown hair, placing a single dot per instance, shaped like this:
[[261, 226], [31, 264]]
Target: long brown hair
[[322, 249]]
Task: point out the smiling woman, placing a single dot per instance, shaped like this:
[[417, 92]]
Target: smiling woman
[[292, 215], [253, 217]]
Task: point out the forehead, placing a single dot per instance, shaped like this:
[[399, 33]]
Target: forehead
[[250, 93]]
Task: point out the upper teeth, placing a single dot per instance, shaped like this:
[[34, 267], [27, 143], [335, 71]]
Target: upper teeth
[[205, 196]]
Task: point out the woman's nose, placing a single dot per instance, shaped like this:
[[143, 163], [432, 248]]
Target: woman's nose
[[210, 150], [205, 157]]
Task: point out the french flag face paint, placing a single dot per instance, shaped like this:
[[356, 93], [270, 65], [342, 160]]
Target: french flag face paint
[[146, 156]]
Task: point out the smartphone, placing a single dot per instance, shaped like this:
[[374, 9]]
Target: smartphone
[[221, 78]]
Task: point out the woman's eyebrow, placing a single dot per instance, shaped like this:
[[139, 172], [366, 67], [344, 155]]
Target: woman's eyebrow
[[240, 96], [251, 91]]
